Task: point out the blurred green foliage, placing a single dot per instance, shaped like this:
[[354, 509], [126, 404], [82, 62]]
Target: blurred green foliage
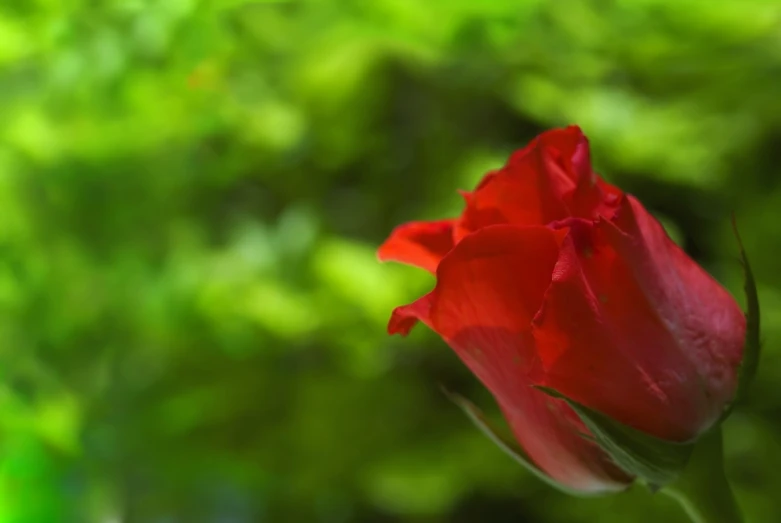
[[191, 193]]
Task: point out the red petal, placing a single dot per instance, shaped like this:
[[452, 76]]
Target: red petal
[[568, 156], [553, 435], [706, 321], [549, 180], [521, 193], [422, 244], [407, 316], [490, 285], [607, 342], [488, 290]]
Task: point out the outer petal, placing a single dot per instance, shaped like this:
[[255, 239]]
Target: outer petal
[[422, 244], [702, 316], [488, 290], [407, 316], [555, 437], [603, 345], [612, 336]]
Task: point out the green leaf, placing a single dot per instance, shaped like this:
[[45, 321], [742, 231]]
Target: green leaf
[[507, 444], [652, 459], [748, 367]]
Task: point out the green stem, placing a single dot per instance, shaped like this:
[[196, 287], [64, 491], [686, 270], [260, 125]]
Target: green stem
[[703, 489]]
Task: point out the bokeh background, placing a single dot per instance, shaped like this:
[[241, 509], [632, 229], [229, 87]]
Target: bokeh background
[[192, 319]]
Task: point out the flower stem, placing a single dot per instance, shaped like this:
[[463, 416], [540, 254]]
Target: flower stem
[[703, 489]]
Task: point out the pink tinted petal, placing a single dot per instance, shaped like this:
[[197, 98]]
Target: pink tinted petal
[[603, 344], [488, 290], [704, 319], [421, 244], [551, 432]]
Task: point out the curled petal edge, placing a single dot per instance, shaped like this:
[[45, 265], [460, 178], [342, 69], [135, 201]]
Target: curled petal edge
[[510, 447]]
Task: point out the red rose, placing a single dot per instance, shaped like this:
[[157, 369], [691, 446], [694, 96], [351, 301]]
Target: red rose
[[553, 277]]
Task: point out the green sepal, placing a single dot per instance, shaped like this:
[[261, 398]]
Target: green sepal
[[703, 489], [507, 444], [654, 460], [752, 348]]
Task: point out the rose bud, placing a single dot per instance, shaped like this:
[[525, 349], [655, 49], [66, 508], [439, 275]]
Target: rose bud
[[608, 350]]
